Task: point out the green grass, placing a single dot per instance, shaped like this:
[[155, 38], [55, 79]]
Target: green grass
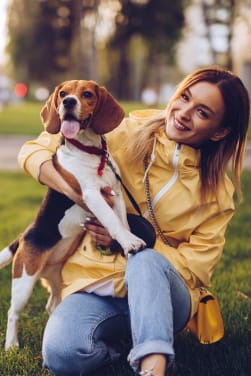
[[24, 118], [19, 200], [21, 119]]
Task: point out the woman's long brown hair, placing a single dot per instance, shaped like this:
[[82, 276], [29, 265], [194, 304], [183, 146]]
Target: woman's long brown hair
[[215, 156]]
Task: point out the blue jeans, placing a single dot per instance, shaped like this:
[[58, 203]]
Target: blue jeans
[[83, 332]]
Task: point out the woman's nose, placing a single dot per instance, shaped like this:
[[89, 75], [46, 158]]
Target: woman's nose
[[185, 111]]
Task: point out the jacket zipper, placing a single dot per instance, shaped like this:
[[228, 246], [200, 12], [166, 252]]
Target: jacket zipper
[[171, 181]]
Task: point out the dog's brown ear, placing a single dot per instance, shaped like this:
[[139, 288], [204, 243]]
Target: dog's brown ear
[[49, 114], [108, 113]]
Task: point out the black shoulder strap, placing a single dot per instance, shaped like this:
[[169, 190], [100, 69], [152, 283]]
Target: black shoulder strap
[[130, 196]]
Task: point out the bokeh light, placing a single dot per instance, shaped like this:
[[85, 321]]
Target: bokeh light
[[20, 90], [42, 93]]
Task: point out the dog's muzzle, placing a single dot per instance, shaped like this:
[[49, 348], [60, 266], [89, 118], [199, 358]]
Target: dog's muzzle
[[69, 103]]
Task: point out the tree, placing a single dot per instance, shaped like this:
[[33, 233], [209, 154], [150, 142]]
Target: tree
[[220, 18], [84, 41], [54, 40], [158, 22], [41, 40], [219, 14]]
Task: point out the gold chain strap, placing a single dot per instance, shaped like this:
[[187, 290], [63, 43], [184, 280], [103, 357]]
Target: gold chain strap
[[149, 205]]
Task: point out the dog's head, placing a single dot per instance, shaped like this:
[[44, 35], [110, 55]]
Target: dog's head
[[78, 104]]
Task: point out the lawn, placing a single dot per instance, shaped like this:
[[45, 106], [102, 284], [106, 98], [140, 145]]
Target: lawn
[[19, 199], [24, 118]]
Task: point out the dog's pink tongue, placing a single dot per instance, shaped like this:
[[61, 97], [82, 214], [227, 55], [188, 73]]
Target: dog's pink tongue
[[70, 128]]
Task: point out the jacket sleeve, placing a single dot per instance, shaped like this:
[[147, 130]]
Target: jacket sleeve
[[197, 259], [35, 152]]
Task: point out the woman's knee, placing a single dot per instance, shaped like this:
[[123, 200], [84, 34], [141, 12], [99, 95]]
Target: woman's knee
[[74, 337], [143, 257], [59, 358], [64, 359], [144, 262]]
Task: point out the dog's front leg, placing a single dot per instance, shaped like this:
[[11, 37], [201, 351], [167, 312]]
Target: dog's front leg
[[120, 209], [105, 214]]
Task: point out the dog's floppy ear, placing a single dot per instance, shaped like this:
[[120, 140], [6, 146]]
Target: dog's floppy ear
[[49, 114], [108, 113]]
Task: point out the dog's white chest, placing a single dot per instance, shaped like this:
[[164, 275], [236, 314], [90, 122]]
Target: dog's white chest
[[85, 167]]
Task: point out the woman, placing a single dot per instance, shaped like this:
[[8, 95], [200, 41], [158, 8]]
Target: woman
[[182, 154]]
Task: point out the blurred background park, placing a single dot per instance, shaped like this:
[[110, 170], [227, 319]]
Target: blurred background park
[[138, 49]]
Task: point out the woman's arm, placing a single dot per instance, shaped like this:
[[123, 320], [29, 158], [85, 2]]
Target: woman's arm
[[35, 157], [34, 153], [49, 176]]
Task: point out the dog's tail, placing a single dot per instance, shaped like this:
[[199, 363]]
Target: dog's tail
[[7, 254]]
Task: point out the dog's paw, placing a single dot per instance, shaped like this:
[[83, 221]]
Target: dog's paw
[[11, 344], [133, 244]]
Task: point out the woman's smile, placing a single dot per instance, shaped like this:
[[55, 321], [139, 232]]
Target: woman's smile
[[180, 126], [195, 115]]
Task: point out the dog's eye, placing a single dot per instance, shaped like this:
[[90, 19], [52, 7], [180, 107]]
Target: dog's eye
[[62, 94], [87, 94]]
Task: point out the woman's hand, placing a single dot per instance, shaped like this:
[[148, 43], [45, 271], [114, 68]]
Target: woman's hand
[[99, 234]]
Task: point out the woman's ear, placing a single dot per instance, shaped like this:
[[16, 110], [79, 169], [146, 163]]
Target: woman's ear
[[220, 134]]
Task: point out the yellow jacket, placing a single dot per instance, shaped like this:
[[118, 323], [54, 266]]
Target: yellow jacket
[[194, 229]]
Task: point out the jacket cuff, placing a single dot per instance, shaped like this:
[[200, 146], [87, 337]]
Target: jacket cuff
[[33, 164]]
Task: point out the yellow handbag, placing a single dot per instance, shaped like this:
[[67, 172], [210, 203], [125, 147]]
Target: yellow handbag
[[207, 324]]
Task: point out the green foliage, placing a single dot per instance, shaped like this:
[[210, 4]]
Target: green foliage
[[53, 40], [154, 20], [44, 24], [19, 199], [158, 25]]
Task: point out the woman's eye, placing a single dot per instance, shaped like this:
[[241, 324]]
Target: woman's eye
[[203, 113], [62, 94], [87, 94], [184, 96]]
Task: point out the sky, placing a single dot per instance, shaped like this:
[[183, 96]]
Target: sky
[[3, 34]]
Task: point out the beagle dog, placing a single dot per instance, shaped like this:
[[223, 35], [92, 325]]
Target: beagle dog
[[83, 112]]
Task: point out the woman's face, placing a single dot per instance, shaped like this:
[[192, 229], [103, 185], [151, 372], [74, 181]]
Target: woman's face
[[196, 115]]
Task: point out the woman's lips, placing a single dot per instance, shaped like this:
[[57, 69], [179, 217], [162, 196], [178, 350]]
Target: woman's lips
[[180, 126]]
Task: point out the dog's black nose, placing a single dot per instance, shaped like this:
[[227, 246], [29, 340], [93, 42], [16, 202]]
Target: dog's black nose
[[69, 103]]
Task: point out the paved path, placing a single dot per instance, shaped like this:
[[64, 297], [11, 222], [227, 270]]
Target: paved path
[[10, 146]]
